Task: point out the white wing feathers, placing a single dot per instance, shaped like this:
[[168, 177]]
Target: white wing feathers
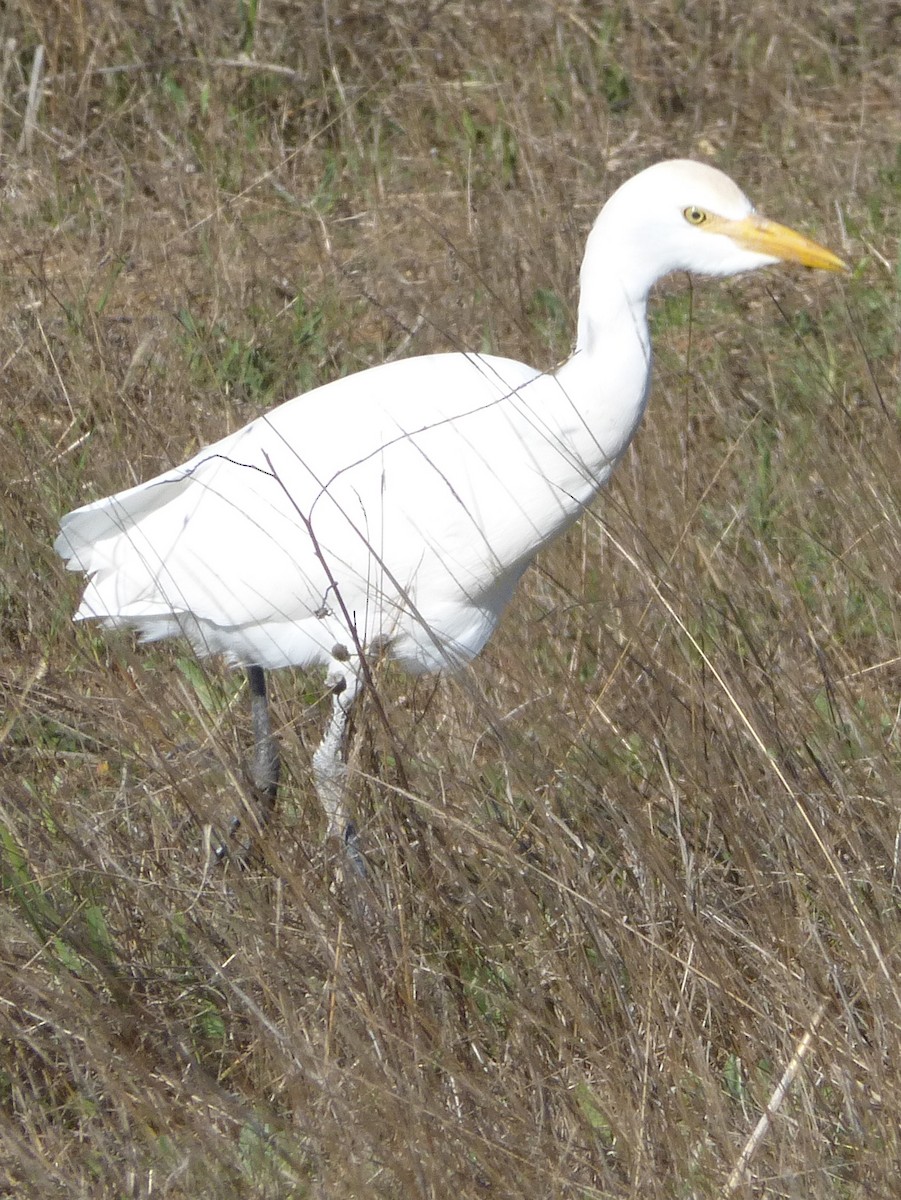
[[343, 504]]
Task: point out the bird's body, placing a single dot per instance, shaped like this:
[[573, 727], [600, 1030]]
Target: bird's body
[[397, 508]]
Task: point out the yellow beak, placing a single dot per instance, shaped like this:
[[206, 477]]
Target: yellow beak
[[778, 241]]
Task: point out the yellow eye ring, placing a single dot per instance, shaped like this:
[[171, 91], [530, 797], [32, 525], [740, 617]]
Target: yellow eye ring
[[694, 216]]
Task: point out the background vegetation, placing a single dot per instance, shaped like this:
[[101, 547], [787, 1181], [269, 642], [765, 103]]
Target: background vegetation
[[647, 853]]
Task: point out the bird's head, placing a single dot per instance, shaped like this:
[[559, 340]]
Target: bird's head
[[683, 215]]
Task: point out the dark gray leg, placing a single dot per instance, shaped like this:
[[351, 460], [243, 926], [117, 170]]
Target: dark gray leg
[[265, 766]]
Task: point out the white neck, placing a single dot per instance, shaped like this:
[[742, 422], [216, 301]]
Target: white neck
[[605, 382], [614, 284]]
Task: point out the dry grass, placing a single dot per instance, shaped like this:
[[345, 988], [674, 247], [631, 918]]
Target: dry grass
[[651, 840]]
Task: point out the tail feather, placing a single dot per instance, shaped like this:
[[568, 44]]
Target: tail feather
[[103, 539]]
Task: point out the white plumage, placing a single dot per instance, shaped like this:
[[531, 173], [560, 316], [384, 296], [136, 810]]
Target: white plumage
[[396, 509]]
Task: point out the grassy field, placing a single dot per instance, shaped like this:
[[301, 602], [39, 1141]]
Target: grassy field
[[643, 857]]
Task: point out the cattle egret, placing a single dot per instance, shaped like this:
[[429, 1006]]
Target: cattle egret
[[393, 512]]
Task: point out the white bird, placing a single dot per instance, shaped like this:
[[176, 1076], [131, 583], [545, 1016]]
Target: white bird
[[394, 511]]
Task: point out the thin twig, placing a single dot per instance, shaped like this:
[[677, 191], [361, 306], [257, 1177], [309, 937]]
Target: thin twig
[[9, 54], [33, 103], [740, 1169], [240, 63], [16, 709]]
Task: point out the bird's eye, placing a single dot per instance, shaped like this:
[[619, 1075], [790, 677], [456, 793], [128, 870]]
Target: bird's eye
[[694, 216]]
